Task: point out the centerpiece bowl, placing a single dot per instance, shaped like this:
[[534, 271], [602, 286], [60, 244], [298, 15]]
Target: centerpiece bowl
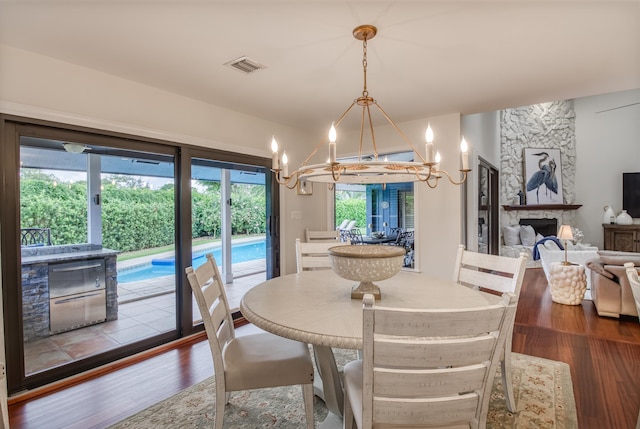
[[366, 264]]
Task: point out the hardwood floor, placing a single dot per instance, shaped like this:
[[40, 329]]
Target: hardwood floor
[[604, 355]]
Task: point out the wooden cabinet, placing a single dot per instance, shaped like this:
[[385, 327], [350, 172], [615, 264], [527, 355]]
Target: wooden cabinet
[[623, 238]]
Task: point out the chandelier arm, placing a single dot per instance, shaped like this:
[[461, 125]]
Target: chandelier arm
[[464, 177], [288, 180], [435, 183], [399, 131], [361, 134], [373, 134], [335, 124]]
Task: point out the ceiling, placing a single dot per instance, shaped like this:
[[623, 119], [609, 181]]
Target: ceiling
[[429, 58]]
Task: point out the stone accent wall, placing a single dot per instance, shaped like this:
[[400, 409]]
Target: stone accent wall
[[35, 301], [546, 125]]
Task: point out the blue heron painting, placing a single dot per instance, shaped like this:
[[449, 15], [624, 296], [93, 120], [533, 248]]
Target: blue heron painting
[[543, 176]]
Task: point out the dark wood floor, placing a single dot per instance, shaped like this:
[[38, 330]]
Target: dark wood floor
[[604, 355]]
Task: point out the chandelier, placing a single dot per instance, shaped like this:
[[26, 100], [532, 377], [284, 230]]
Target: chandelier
[[368, 169]]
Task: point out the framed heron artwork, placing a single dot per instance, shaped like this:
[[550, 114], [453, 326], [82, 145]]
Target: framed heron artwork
[[543, 176]]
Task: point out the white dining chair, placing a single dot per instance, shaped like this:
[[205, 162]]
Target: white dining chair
[[425, 367], [497, 274], [634, 282], [315, 255], [246, 362]]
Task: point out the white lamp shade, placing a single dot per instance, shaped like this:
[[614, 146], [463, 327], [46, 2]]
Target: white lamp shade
[[565, 233]]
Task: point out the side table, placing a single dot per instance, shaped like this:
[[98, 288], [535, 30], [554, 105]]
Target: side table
[[568, 283]]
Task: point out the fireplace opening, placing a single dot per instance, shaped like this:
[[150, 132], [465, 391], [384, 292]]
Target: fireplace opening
[[545, 227]]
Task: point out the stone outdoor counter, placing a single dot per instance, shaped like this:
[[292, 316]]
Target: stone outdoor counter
[[35, 283]]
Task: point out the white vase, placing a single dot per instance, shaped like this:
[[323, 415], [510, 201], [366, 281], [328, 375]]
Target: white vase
[[609, 215], [624, 218]]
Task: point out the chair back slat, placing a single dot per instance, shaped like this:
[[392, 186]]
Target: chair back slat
[[476, 279], [402, 383], [312, 256], [438, 322], [322, 236], [425, 412], [431, 353]]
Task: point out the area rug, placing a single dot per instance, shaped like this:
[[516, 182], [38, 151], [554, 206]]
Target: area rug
[[542, 388]]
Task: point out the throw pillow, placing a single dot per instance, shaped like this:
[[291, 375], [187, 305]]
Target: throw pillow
[[511, 235], [527, 235], [551, 245], [539, 237]]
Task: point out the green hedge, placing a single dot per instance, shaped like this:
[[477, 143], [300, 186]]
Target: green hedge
[[352, 209], [134, 218]]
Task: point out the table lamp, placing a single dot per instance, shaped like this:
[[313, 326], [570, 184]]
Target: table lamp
[[565, 234]]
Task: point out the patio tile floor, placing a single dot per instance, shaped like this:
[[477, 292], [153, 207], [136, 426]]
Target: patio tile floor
[[145, 309]]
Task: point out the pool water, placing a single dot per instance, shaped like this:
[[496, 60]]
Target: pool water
[[166, 267]]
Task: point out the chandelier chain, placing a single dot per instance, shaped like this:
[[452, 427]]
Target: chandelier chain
[[365, 93]]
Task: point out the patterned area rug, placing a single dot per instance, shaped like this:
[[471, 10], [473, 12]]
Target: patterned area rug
[[542, 389]]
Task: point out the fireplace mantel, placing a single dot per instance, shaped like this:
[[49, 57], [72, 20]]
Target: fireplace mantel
[[509, 207]]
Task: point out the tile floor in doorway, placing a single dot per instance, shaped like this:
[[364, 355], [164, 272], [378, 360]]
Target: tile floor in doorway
[[139, 316]]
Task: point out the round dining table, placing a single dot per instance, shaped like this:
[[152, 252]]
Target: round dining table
[[315, 307]]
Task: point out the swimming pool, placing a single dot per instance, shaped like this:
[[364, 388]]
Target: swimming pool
[[166, 266]]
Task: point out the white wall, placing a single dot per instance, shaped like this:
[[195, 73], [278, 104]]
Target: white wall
[[482, 133], [607, 144]]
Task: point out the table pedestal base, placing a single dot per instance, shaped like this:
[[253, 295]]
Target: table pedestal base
[[358, 292]]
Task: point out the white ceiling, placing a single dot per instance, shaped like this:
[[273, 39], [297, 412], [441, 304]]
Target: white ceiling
[[429, 58]]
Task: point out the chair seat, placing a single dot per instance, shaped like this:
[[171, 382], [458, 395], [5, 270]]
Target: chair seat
[[255, 361], [353, 377]]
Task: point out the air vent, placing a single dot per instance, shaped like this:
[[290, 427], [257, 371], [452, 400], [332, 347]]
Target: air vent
[[245, 65]]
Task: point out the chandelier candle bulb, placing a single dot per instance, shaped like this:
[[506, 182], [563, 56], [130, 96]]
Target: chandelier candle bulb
[[428, 135], [274, 151], [464, 152], [285, 166], [332, 144]]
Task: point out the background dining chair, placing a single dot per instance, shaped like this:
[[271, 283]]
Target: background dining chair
[[321, 236], [425, 367], [246, 362], [354, 236], [634, 282], [497, 274], [315, 255]]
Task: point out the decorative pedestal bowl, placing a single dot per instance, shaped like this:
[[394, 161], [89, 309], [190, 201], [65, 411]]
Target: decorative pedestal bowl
[[366, 264]]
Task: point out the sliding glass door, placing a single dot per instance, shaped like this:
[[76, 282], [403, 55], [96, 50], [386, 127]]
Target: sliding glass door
[[228, 212], [97, 231]]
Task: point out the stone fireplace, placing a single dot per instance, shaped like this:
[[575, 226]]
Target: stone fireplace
[[545, 125]]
